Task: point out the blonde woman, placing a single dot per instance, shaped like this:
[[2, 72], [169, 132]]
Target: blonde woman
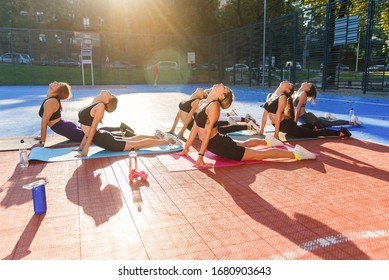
[[93, 114], [206, 117]]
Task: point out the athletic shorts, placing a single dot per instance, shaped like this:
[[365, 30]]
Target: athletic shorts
[[106, 140], [224, 146]]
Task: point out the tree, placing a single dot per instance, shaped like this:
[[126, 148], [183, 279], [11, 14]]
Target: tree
[[239, 13]]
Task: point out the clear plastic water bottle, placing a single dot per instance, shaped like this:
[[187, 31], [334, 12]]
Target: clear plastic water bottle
[[351, 113], [133, 156], [23, 157]]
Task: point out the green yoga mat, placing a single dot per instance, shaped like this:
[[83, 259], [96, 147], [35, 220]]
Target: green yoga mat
[[67, 154]]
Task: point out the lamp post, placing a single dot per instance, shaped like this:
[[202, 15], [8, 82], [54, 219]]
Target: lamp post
[[264, 43]]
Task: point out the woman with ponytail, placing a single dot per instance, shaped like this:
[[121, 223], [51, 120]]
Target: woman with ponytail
[[307, 92], [205, 126], [92, 115], [50, 112], [279, 108]]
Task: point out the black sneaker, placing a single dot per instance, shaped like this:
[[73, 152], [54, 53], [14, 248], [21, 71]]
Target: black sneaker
[[344, 132], [129, 133], [124, 127]]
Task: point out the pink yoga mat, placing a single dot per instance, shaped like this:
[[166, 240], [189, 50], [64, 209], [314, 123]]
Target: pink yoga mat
[[175, 162]]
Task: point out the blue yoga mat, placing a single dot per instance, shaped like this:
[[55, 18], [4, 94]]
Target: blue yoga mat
[[67, 154]]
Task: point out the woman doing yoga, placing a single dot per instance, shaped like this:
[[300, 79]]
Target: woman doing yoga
[[206, 117], [50, 112], [307, 92], [93, 114], [279, 108], [188, 107]]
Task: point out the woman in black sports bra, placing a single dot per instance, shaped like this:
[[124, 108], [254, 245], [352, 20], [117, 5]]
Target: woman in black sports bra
[[186, 110], [307, 92], [188, 107], [93, 114], [279, 108], [206, 117], [50, 112]]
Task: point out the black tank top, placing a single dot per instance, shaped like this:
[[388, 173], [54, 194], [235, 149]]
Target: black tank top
[[186, 105], [201, 117], [296, 102], [56, 114], [273, 105], [84, 116]]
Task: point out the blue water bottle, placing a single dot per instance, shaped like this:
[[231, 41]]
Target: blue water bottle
[[38, 196]]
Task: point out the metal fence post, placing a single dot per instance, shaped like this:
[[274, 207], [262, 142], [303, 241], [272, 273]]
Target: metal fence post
[[369, 27], [270, 44], [326, 48], [295, 42], [250, 54]]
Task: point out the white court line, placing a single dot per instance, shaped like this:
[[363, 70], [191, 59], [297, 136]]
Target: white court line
[[373, 116], [316, 244]]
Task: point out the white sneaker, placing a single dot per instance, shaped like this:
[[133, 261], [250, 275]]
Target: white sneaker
[[355, 120], [160, 134], [231, 121], [329, 116], [254, 126], [302, 153], [271, 141], [173, 140], [232, 113], [249, 117]]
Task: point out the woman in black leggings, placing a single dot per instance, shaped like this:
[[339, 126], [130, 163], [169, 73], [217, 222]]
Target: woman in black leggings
[[279, 108], [205, 126], [307, 92], [93, 114], [188, 107]]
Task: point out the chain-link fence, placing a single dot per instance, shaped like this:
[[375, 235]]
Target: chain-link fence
[[342, 44]]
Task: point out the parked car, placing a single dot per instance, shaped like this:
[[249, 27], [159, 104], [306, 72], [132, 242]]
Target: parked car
[[211, 67], [20, 58], [168, 65], [122, 64], [238, 67], [68, 62], [165, 65], [342, 67], [290, 64], [376, 68]]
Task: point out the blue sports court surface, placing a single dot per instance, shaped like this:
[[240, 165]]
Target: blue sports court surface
[[19, 107]]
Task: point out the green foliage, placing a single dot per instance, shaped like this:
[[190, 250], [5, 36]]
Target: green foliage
[[183, 17], [239, 13]]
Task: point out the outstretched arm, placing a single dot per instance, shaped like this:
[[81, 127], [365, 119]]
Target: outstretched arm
[[213, 113], [277, 117], [302, 101], [189, 117], [192, 137], [98, 114], [265, 115], [175, 122], [263, 121], [50, 106]]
